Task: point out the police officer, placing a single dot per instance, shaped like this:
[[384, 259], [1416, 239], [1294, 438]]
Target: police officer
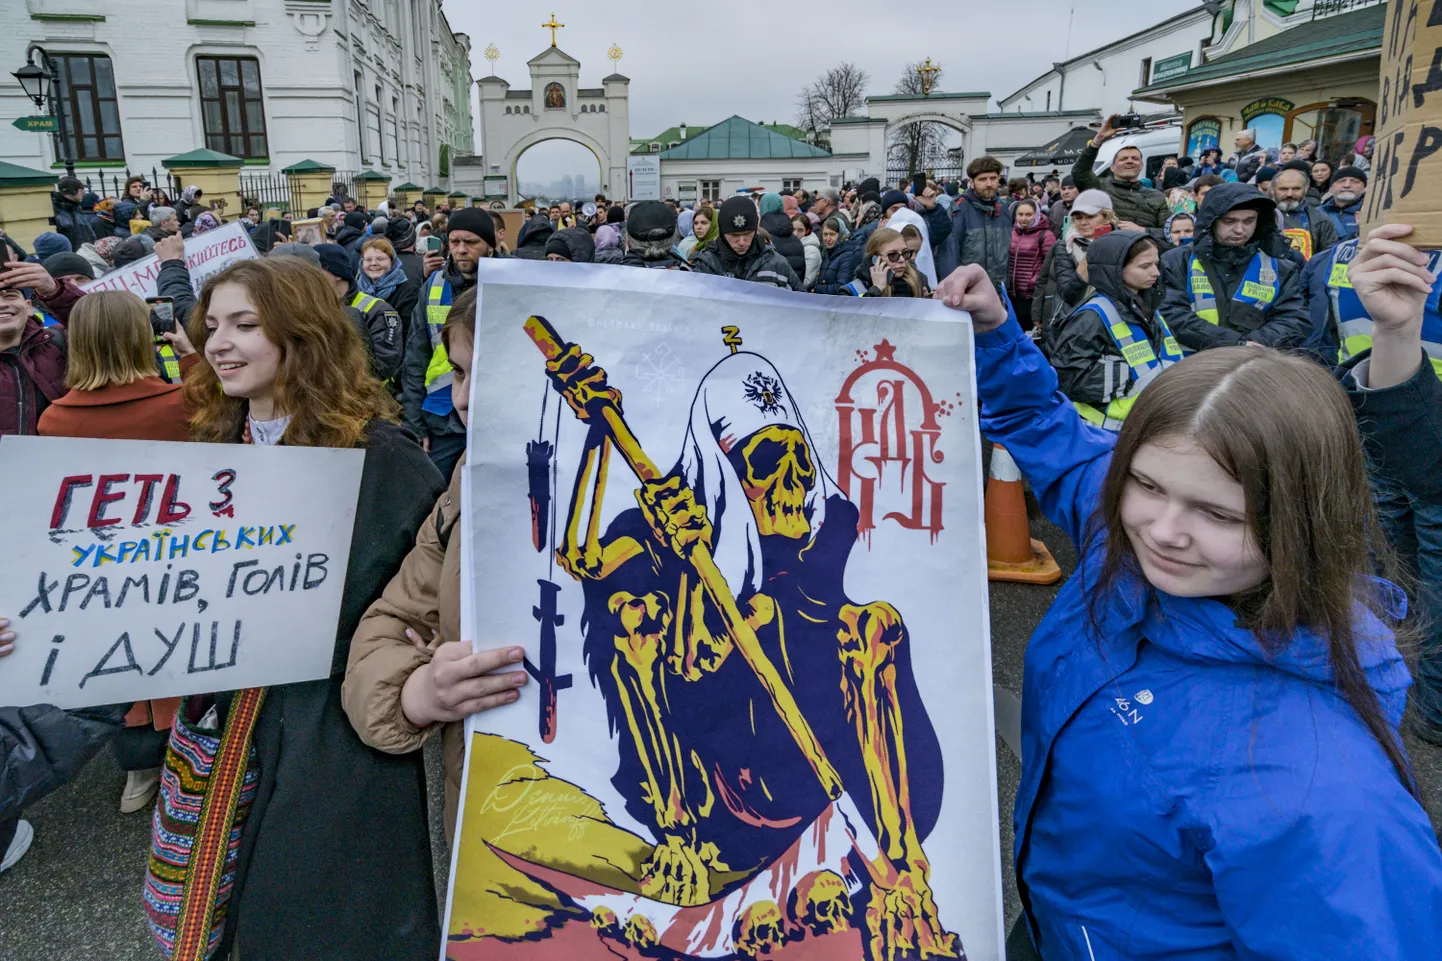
[[1237, 282], [378, 322]]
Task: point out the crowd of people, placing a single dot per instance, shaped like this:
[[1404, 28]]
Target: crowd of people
[[1205, 374]]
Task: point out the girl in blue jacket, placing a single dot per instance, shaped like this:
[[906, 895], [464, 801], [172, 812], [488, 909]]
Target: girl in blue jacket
[[1211, 765]]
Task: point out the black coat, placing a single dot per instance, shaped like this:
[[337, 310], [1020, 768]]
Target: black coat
[[1089, 365], [531, 241], [784, 239], [1284, 325], [43, 747], [761, 264], [335, 861]]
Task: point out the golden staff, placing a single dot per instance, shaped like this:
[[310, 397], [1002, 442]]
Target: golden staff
[[608, 412]]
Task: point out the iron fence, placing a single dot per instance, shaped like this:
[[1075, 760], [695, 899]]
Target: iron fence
[[265, 191], [112, 184]]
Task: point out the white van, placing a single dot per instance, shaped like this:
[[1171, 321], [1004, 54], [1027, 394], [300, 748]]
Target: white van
[[1155, 143]]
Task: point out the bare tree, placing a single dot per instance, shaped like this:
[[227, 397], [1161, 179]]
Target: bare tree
[[839, 92], [920, 145]]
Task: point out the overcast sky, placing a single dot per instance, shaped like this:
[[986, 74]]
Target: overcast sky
[[702, 62]]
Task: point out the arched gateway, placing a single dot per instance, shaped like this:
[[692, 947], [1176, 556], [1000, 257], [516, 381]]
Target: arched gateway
[[556, 107]]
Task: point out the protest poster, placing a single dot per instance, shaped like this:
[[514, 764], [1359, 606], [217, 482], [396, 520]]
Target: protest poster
[[142, 569], [205, 256], [1406, 184], [739, 533]]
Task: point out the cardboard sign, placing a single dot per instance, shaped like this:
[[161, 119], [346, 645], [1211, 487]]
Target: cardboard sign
[[205, 256], [1406, 164], [828, 448], [141, 569]]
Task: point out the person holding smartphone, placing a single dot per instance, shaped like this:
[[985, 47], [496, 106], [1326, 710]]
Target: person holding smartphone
[[1138, 207]]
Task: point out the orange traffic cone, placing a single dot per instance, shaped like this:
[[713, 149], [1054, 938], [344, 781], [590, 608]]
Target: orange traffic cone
[[1012, 554]]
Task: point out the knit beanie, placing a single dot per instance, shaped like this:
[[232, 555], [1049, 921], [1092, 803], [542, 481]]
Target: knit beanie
[[474, 220], [616, 215], [47, 245], [738, 216], [557, 245], [64, 265], [1342, 172]]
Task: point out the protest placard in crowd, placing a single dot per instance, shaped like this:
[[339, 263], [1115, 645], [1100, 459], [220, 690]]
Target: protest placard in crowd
[[141, 569], [765, 668], [1406, 185], [205, 255]]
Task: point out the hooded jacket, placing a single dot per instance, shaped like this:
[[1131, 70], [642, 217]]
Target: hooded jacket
[[71, 222], [1184, 793], [1089, 365], [785, 241], [760, 264], [1284, 325], [579, 242], [531, 241], [43, 747], [32, 375], [1131, 199], [980, 234], [838, 265], [1343, 217]]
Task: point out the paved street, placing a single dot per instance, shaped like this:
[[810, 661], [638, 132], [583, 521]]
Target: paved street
[[76, 896]]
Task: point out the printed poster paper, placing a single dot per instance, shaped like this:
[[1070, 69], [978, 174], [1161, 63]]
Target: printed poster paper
[[739, 533], [143, 569]]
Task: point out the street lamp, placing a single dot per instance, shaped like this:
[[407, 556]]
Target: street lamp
[[32, 80]]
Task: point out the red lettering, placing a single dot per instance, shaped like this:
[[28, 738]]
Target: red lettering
[[103, 496], [172, 510], [147, 484], [62, 499]]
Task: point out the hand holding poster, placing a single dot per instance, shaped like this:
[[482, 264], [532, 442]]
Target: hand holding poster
[[205, 255], [739, 531], [1406, 184], [141, 569]]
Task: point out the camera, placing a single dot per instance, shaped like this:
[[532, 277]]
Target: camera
[[1125, 121]]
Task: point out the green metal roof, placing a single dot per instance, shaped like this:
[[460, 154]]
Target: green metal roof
[[1356, 32], [434, 190], [737, 138], [202, 158], [372, 175], [14, 175], [664, 138], [308, 166], [974, 95], [407, 186]]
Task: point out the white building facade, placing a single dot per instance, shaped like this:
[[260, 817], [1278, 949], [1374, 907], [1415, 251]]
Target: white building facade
[[379, 85]]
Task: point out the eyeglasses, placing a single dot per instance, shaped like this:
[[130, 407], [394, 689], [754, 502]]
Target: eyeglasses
[[894, 257]]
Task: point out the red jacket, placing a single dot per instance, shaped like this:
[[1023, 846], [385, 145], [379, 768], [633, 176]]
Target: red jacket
[[32, 373], [149, 409], [1028, 249]]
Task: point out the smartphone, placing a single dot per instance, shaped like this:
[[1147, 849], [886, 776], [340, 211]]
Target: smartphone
[[162, 315], [433, 244], [918, 184]]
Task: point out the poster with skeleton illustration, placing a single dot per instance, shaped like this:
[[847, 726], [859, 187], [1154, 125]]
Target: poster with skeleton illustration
[[739, 533]]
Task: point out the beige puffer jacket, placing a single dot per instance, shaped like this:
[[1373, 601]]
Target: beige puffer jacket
[[425, 594]]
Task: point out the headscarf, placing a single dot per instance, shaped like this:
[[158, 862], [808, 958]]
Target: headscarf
[[924, 262], [105, 247], [713, 218], [790, 205], [608, 236], [729, 407], [1181, 201], [771, 203], [205, 222], [187, 196], [105, 210], [683, 222]]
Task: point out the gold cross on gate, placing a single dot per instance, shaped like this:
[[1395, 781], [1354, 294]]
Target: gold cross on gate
[[553, 26], [928, 75]]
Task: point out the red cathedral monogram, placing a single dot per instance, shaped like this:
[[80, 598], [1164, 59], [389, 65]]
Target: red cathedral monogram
[[882, 454]]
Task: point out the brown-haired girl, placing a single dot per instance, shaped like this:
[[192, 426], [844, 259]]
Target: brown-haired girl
[[412, 673], [334, 859], [1211, 763]]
